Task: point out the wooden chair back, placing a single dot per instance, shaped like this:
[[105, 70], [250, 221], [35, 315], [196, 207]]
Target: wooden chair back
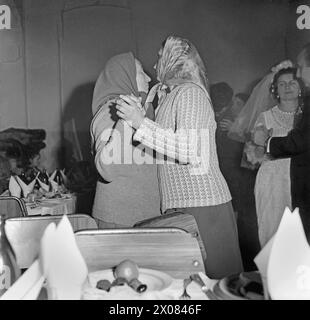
[[170, 250], [177, 219], [12, 207], [25, 233]]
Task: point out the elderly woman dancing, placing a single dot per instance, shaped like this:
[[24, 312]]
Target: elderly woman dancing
[[126, 192], [184, 133]]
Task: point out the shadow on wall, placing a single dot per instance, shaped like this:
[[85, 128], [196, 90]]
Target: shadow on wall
[[75, 151], [76, 120]]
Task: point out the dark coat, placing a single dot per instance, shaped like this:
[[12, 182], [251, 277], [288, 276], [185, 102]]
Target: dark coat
[[297, 146]]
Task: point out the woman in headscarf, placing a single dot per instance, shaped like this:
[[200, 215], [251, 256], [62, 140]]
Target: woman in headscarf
[[127, 191], [184, 132]]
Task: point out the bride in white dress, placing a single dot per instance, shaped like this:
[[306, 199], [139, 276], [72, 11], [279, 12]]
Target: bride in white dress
[[273, 186]]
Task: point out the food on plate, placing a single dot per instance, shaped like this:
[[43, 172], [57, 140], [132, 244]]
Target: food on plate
[[53, 195], [33, 196], [104, 285], [129, 270], [137, 285]]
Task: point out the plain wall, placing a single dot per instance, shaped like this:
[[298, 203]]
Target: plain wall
[[13, 111], [238, 39]]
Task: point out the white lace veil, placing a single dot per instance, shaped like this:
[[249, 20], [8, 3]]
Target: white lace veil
[[259, 101]]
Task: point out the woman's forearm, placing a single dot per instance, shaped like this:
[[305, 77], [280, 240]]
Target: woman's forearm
[[181, 146]]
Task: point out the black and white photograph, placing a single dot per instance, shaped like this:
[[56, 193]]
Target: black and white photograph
[[155, 150]]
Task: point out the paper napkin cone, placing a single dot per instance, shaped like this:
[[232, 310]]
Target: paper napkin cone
[[28, 286], [44, 186], [65, 179], [62, 262], [46, 247], [52, 176], [55, 186], [288, 272], [14, 188], [261, 261], [26, 188]]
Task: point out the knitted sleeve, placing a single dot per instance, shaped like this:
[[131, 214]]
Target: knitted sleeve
[[179, 144]]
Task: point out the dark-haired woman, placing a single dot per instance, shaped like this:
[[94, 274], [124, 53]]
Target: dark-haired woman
[[273, 185]]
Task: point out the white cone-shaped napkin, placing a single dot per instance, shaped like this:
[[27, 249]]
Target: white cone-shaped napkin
[[261, 261], [14, 188], [65, 179], [27, 188], [62, 262], [54, 184], [288, 272], [44, 186]]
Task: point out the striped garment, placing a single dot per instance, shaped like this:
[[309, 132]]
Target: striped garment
[[194, 178]]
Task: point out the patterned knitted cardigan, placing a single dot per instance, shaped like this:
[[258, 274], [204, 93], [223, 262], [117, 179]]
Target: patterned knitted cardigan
[[184, 133]]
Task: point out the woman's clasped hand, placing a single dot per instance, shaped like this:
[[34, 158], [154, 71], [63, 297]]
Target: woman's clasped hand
[[129, 108]]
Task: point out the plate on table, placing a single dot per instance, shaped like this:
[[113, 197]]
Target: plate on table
[[154, 279], [243, 286], [156, 282]]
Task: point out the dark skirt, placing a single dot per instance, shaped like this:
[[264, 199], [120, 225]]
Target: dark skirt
[[218, 230]]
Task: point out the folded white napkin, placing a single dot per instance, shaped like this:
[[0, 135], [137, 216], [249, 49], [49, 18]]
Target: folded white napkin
[[53, 183], [55, 186], [14, 188], [26, 188], [288, 272], [62, 262], [28, 286], [261, 261], [284, 262], [65, 179], [44, 186]]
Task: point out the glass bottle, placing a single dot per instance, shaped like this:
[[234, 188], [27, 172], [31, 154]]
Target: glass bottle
[[9, 271]]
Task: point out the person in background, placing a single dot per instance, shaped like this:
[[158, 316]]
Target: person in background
[[230, 151], [16, 159], [238, 103], [221, 96], [33, 165], [190, 179], [5, 174], [126, 191]]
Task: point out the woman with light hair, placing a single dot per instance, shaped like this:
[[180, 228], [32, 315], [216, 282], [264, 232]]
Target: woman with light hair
[[184, 133]]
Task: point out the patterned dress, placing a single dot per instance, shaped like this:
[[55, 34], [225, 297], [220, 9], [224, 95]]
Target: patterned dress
[[273, 185]]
